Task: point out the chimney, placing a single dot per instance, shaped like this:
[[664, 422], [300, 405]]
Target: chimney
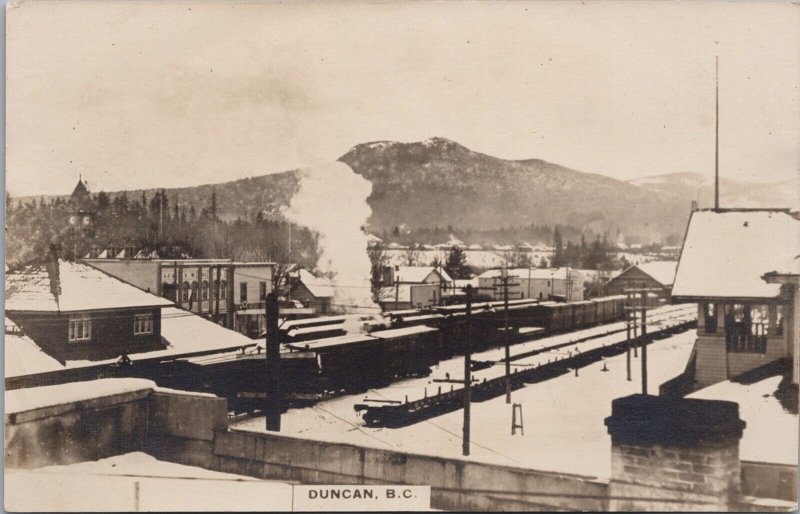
[[53, 270], [694, 205]]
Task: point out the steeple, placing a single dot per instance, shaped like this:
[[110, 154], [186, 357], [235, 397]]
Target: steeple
[[81, 192]]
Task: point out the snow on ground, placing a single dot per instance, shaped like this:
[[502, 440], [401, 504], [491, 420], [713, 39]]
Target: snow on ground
[[771, 433], [138, 481], [563, 417]]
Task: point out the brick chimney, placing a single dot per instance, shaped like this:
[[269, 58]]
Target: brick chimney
[[53, 269], [671, 454]]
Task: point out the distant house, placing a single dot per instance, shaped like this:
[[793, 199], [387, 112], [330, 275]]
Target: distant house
[[421, 275], [537, 283], [312, 291], [654, 275], [409, 296], [738, 266]]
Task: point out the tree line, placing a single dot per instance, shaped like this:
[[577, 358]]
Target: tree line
[[171, 228]]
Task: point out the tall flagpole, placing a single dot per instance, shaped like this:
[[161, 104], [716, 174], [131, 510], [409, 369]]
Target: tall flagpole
[[716, 145]]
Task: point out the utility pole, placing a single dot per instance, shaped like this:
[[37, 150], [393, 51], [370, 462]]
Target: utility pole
[[273, 407], [632, 292], [504, 284], [716, 143], [467, 373], [396, 288]]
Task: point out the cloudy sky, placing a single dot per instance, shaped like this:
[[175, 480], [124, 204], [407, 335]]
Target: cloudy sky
[[162, 94]]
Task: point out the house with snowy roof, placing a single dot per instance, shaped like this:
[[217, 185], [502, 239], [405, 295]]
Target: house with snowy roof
[[737, 265], [312, 291], [74, 311], [538, 283], [657, 275]]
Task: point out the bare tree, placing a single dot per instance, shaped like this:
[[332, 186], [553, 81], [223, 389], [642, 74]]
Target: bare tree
[[412, 255]]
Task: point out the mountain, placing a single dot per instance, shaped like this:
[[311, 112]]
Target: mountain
[[733, 193], [438, 182], [441, 182]]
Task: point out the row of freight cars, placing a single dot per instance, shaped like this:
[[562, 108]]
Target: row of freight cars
[[353, 352]]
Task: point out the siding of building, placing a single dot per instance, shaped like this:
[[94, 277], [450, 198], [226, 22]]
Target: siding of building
[[111, 333]]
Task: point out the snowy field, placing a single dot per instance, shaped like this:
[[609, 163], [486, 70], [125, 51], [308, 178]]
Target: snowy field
[[139, 482], [564, 430]]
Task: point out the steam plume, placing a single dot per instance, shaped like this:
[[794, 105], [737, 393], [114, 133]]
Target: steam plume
[[332, 201]]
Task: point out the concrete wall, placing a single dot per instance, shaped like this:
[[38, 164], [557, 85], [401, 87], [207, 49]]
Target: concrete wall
[[77, 431], [456, 485]]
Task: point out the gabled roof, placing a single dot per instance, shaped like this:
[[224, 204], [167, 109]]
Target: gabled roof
[[726, 253], [83, 288], [319, 287], [418, 274], [662, 272]]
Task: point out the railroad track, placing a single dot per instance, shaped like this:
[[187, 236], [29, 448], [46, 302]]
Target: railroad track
[[529, 368]]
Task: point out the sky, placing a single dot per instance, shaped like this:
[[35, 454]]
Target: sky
[[166, 94]]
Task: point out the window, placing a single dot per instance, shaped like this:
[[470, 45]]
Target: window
[[143, 324], [185, 292], [205, 291], [262, 290], [243, 292], [710, 315], [80, 328], [223, 289]]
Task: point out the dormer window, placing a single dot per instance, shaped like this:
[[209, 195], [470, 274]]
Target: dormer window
[[80, 328], [143, 324]]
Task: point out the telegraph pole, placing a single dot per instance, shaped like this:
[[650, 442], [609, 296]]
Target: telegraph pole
[[632, 292], [504, 284], [273, 405], [644, 341], [467, 373]]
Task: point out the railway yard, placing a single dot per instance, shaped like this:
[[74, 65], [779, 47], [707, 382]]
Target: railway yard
[[545, 383]]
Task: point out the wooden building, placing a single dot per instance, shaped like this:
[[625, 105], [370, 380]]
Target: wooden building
[[744, 321], [314, 292], [653, 275], [74, 311]]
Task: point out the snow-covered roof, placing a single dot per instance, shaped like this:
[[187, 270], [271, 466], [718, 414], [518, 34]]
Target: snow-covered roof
[[184, 333], [533, 273], [418, 274], [318, 286], [24, 357], [771, 433], [403, 332], [726, 253], [83, 288], [662, 271], [475, 247]]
